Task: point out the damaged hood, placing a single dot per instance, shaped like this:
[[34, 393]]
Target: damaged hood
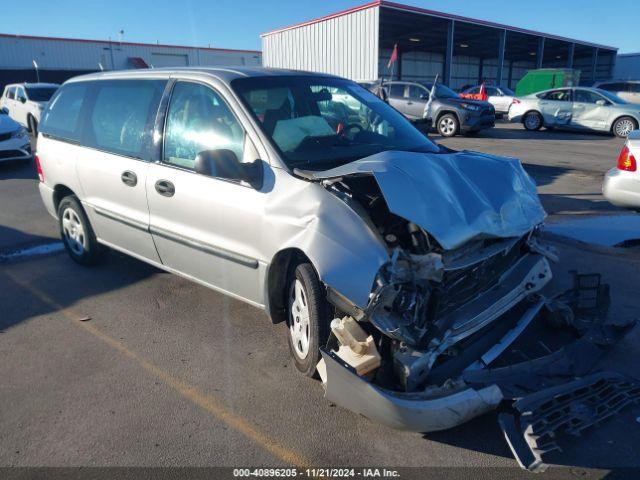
[[455, 197]]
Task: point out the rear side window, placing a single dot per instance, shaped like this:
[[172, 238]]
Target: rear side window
[[396, 90], [11, 93], [61, 118], [122, 116]]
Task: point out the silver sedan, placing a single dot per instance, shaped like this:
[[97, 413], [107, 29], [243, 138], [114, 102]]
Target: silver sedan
[[622, 184], [576, 109]]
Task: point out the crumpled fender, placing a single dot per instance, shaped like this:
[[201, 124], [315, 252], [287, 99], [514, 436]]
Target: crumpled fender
[[456, 197], [345, 251]]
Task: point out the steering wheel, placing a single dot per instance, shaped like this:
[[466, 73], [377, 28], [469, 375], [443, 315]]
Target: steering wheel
[[351, 126]]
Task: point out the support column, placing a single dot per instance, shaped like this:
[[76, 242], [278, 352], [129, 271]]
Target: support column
[[510, 74], [399, 62], [570, 55], [594, 65], [481, 71], [448, 58], [540, 57], [501, 48]]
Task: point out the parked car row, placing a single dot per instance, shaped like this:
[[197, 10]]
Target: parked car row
[[449, 114], [576, 109], [572, 108]]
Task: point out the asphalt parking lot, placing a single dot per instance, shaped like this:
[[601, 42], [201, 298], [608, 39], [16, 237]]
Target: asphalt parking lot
[[125, 365]]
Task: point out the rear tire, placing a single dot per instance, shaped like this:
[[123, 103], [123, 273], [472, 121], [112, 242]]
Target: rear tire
[[307, 318], [77, 234], [448, 125], [623, 126], [533, 121]]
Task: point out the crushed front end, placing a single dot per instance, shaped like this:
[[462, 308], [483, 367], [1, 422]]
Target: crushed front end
[[456, 323]]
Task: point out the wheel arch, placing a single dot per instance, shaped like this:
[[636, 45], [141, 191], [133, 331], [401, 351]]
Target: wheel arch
[[276, 278], [444, 112], [622, 115], [532, 110], [61, 191]]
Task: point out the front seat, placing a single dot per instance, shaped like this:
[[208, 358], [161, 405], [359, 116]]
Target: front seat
[[278, 108]]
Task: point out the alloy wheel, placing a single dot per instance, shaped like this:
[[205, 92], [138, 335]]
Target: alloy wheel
[[74, 231], [447, 126], [532, 122], [299, 319], [624, 127]]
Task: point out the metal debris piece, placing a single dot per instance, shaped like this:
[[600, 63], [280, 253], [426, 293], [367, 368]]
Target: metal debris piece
[[538, 421]]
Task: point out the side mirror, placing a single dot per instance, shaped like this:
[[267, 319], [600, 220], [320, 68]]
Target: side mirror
[[23, 100], [224, 163], [601, 103], [424, 96]]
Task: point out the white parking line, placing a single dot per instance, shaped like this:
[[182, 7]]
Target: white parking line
[[36, 250]]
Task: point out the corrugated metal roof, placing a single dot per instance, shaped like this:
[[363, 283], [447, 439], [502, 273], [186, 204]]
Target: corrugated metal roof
[[434, 13], [115, 42]]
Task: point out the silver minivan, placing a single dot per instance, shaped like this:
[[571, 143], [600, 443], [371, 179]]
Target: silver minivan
[[403, 270]]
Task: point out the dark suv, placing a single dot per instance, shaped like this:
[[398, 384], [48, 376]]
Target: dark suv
[[449, 114]]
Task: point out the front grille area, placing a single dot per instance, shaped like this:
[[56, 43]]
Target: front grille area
[[461, 286]]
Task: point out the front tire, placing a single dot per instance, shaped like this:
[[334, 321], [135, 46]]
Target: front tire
[[532, 121], [77, 234], [623, 126], [448, 125], [307, 318]]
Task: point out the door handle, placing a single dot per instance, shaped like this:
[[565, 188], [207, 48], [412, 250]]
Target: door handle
[[409, 103], [165, 188], [129, 178]]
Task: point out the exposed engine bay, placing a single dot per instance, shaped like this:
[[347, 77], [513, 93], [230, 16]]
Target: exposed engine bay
[[434, 346]]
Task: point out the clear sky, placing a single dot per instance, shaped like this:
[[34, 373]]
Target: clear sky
[[238, 23]]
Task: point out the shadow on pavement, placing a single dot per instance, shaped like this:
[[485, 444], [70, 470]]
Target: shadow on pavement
[[45, 284], [12, 239], [22, 170]]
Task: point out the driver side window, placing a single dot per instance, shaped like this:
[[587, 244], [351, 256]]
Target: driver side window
[[199, 120]]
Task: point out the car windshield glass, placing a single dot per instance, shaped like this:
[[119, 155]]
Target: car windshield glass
[[442, 91], [320, 123], [508, 91], [40, 94], [611, 96]]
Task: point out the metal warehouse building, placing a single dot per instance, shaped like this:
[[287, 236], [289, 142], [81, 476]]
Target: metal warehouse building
[[61, 58], [627, 67], [357, 44]]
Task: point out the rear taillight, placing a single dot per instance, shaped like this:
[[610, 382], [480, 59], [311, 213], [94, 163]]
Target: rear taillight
[[39, 169], [516, 102], [626, 160]]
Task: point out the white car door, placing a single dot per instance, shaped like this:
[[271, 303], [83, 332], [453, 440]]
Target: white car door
[[10, 101], [590, 110], [556, 107], [20, 108]]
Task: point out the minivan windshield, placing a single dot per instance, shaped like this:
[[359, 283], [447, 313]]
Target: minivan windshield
[[40, 94], [319, 123], [442, 91]]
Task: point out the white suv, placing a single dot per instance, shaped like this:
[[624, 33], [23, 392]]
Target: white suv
[[25, 101]]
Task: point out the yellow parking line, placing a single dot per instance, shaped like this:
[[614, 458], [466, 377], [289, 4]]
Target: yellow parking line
[[205, 401]]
